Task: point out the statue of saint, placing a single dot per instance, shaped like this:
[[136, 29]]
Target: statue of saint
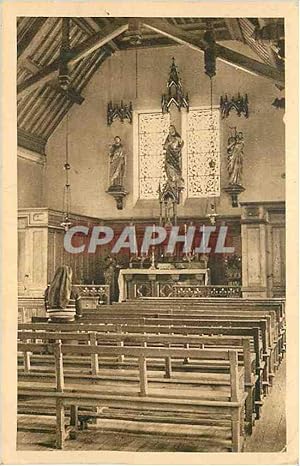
[[117, 163], [111, 278], [235, 151], [173, 163]]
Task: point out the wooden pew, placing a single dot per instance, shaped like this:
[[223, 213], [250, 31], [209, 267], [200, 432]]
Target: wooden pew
[[213, 307], [190, 332], [131, 314], [213, 321], [243, 343], [275, 304], [188, 400]]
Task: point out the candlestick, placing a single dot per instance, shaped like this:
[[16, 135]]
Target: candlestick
[[152, 259], [185, 229]]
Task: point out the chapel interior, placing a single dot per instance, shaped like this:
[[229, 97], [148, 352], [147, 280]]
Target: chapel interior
[[138, 124]]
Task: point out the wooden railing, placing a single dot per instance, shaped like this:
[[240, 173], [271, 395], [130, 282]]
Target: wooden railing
[[100, 294], [29, 306], [202, 291]]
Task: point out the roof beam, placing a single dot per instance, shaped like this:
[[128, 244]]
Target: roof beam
[[234, 29], [31, 141], [175, 33], [70, 93], [78, 53], [37, 24], [223, 53], [90, 26]]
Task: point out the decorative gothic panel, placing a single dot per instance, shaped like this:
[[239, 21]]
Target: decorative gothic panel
[[203, 153], [153, 129], [278, 251]]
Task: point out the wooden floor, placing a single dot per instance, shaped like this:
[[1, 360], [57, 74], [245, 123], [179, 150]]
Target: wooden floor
[[268, 435], [270, 431]]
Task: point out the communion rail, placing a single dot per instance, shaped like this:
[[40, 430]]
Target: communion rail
[[201, 291]]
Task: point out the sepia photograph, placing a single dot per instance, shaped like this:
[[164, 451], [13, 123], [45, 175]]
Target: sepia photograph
[[151, 238]]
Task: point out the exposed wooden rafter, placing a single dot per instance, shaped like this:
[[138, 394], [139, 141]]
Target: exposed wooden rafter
[[223, 53], [31, 141], [234, 29], [71, 93], [90, 26], [76, 54], [29, 35]]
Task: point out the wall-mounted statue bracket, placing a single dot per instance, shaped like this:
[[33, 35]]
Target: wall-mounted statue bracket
[[279, 103], [117, 166], [240, 104], [234, 190], [122, 111], [118, 193]]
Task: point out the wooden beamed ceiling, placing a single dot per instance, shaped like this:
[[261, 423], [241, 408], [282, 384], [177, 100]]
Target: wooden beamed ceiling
[[43, 102]]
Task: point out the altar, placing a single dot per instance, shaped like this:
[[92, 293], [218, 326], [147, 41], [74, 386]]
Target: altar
[[138, 283]]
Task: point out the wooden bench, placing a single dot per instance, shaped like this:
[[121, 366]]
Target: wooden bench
[[151, 332], [131, 315], [243, 344], [213, 321], [186, 307], [275, 304], [185, 399]]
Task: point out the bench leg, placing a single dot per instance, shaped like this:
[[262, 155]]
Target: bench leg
[[168, 365], [60, 424], [186, 360], [73, 421], [249, 407], [26, 362], [236, 429], [266, 373]]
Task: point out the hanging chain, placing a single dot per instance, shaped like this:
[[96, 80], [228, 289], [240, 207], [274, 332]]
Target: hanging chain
[[67, 167], [136, 73], [211, 97]]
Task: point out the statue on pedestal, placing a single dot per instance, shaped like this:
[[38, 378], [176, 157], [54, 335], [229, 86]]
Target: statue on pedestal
[[173, 159], [117, 165], [169, 192], [235, 151]]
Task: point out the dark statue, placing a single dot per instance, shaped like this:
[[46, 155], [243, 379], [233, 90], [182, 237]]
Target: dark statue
[[235, 151], [173, 159], [117, 163]]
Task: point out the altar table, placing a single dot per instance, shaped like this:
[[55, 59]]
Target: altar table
[[135, 283]]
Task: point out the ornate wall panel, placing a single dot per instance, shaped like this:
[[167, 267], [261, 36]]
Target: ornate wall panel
[[203, 153], [21, 256], [263, 249], [278, 253], [153, 129], [254, 268]]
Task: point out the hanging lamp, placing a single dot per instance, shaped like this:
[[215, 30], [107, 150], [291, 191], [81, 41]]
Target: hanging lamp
[[210, 70], [66, 223]]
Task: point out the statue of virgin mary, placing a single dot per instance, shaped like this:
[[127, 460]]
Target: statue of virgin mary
[[173, 163]]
